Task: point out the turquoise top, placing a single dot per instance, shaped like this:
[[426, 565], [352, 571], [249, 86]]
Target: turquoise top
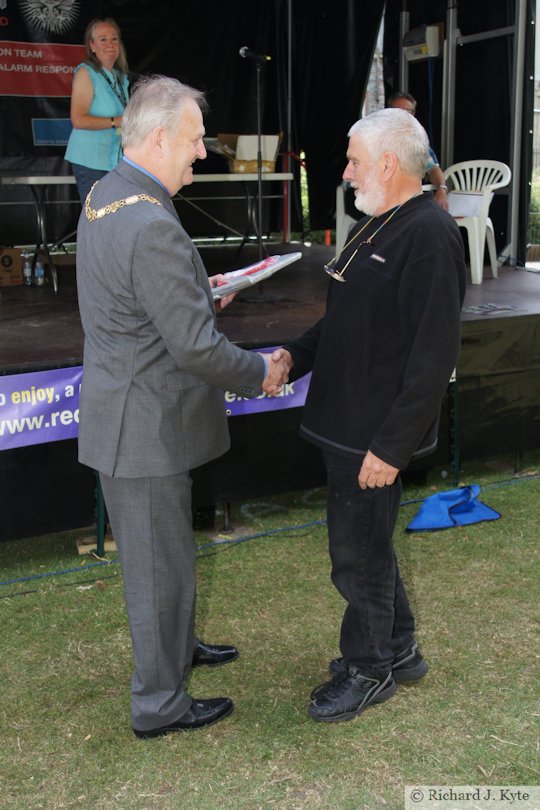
[[99, 148]]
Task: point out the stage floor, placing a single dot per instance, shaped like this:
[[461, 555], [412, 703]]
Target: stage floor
[[493, 408], [39, 330]]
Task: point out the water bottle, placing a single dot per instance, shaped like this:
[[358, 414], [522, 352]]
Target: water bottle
[[27, 270], [40, 273]]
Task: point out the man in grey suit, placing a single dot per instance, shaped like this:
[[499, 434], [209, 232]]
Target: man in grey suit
[[151, 406]]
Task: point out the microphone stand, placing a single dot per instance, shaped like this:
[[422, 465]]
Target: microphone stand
[[259, 297], [259, 160]]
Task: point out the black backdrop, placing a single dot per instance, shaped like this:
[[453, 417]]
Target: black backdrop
[[332, 45]]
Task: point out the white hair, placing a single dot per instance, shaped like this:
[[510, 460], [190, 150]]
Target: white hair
[[156, 101], [397, 131]]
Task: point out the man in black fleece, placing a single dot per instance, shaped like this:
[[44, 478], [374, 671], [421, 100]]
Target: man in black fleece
[[381, 359]]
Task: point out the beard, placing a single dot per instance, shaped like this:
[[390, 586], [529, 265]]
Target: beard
[[371, 201]]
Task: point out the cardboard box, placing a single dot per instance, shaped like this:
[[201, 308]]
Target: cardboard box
[[11, 265], [241, 151]]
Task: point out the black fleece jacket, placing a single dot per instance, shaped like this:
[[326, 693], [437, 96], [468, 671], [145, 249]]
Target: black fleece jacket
[[384, 352]]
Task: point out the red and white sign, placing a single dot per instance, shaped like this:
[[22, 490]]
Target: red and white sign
[[38, 68]]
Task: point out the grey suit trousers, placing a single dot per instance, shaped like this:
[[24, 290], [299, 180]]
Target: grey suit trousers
[[152, 527]]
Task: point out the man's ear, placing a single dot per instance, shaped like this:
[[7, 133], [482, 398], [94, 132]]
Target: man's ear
[[390, 164], [157, 137]]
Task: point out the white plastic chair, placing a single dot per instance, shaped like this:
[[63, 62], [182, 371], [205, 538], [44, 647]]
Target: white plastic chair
[[473, 183]]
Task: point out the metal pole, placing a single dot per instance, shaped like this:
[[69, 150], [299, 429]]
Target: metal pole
[[259, 160], [449, 86], [517, 122], [287, 165], [403, 64]]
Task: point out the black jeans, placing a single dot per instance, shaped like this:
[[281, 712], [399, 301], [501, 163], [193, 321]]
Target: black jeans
[[378, 622]]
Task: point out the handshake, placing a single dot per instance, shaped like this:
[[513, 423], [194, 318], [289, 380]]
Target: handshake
[[279, 364]]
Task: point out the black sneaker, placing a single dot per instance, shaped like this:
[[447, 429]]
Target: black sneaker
[[408, 666], [348, 694]]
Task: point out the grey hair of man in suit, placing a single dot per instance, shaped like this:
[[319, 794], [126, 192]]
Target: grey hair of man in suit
[[156, 101], [163, 129]]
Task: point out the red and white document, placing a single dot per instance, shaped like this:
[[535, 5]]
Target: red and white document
[[248, 276]]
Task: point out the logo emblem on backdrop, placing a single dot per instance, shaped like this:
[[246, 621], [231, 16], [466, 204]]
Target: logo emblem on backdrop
[[52, 16]]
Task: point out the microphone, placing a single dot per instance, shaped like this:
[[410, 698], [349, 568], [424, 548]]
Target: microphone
[[247, 53]]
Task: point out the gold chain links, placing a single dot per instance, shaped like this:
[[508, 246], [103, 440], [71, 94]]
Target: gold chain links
[[92, 214]]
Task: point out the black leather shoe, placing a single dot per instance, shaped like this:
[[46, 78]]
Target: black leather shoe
[[213, 655], [408, 665], [348, 694], [201, 713]]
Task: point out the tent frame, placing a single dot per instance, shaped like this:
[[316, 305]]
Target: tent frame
[[452, 41]]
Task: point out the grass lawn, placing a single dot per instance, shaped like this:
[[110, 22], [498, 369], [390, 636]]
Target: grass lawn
[[65, 734]]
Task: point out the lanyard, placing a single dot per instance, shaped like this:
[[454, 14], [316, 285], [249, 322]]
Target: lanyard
[[116, 87]]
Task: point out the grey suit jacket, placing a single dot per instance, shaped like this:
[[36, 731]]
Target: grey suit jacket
[[155, 365]]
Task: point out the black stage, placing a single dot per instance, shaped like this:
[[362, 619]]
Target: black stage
[[43, 488]]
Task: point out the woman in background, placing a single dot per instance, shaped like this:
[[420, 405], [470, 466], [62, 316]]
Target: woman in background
[[99, 96]]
